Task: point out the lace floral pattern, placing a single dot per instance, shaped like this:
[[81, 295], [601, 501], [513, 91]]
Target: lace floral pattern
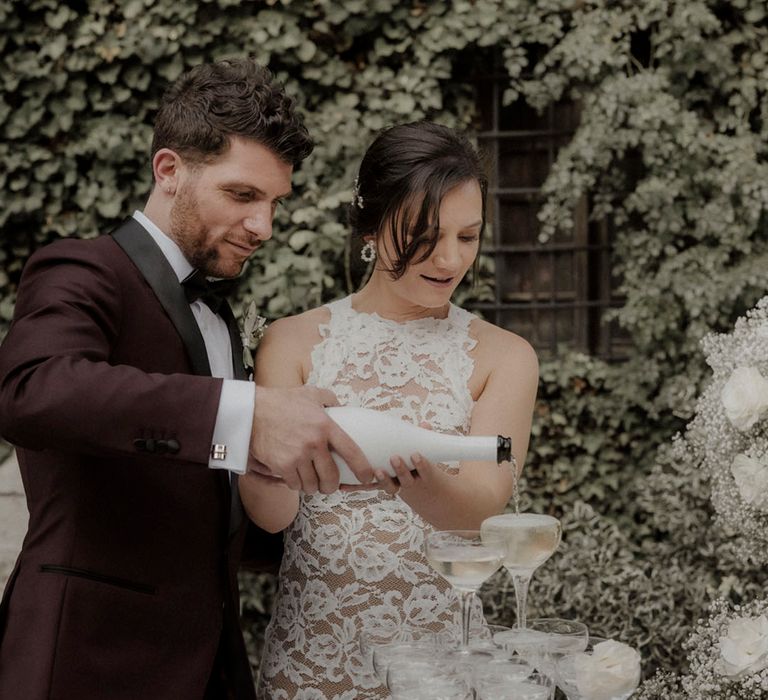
[[355, 559]]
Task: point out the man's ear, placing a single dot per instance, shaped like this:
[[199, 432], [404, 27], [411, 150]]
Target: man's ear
[[166, 165]]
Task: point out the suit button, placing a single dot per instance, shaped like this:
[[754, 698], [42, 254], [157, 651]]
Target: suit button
[[151, 445], [140, 445], [161, 447], [172, 446]]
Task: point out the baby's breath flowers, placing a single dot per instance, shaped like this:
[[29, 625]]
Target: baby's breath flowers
[[728, 438], [728, 441], [728, 661], [728, 657]]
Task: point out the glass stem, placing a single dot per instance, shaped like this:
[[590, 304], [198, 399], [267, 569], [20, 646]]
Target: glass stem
[[466, 614], [521, 582]]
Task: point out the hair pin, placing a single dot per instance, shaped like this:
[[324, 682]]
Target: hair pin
[[357, 198]]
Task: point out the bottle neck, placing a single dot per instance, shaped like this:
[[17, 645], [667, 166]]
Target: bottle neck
[[503, 449]]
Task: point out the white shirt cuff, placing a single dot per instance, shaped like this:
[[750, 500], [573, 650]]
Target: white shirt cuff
[[234, 422]]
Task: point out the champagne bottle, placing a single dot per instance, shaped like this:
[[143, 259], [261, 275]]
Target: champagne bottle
[[381, 436]]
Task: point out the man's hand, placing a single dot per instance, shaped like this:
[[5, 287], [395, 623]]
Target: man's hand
[[293, 437]]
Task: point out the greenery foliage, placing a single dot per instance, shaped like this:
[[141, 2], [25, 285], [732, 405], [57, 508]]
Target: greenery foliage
[[671, 151]]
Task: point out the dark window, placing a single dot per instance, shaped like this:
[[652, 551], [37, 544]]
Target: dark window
[[555, 293]]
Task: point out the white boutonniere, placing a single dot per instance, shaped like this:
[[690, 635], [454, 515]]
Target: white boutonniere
[[251, 333]]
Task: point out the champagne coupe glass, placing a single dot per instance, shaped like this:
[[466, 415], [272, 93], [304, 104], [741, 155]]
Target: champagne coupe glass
[[499, 671], [534, 686], [399, 653], [379, 645], [530, 539], [544, 640], [605, 669], [465, 560], [484, 639], [427, 679]]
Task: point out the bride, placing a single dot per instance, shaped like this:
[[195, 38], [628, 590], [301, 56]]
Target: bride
[[353, 557]]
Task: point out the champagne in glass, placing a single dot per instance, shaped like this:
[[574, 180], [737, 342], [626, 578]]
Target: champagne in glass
[[465, 570], [465, 560], [530, 539]]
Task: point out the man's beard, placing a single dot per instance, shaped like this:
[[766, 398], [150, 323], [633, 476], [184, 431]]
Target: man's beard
[[190, 234]]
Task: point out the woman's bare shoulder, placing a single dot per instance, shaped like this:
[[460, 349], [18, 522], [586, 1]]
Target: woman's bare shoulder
[[288, 342], [492, 338], [501, 349], [300, 325], [294, 336]]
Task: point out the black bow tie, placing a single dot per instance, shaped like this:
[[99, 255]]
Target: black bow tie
[[214, 294]]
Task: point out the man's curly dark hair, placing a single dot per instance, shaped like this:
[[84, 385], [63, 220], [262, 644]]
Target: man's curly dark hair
[[213, 102]]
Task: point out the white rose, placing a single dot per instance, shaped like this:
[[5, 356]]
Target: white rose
[[745, 650], [612, 670], [751, 477], [745, 397]]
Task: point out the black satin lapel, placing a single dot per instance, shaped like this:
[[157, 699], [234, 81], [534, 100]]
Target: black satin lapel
[[238, 367], [157, 271]]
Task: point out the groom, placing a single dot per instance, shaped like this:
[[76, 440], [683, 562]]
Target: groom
[[122, 387]]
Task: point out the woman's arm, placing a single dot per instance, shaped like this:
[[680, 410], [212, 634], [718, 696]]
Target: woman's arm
[[279, 362], [504, 406]]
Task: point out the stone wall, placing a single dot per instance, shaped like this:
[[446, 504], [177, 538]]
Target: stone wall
[[13, 516]]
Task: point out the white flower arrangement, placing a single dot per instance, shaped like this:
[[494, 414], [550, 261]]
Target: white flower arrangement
[[728, 441], [251, 333], [728, 657], [728, 438]]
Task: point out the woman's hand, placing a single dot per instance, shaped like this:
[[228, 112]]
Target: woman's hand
[[409, 479]]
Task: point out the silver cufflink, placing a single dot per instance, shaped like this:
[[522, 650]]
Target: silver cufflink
[[219, 452]]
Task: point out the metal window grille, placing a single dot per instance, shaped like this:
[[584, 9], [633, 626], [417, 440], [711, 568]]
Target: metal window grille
[[554, 294]]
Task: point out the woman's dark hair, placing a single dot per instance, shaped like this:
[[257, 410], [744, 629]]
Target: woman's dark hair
[[403, 177], [215, 101]]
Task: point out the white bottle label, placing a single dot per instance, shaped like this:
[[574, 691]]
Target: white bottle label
[[382, 436]]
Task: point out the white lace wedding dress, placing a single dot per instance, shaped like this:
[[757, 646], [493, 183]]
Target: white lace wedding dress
[[355, 559]]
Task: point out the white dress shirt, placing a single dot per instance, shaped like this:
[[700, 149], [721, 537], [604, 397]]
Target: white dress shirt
[[234, 419]]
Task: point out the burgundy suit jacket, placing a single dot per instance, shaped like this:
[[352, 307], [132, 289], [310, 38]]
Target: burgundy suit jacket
[[125, 587]]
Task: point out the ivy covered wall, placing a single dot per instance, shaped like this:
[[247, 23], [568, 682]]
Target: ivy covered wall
[[671, 150]]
